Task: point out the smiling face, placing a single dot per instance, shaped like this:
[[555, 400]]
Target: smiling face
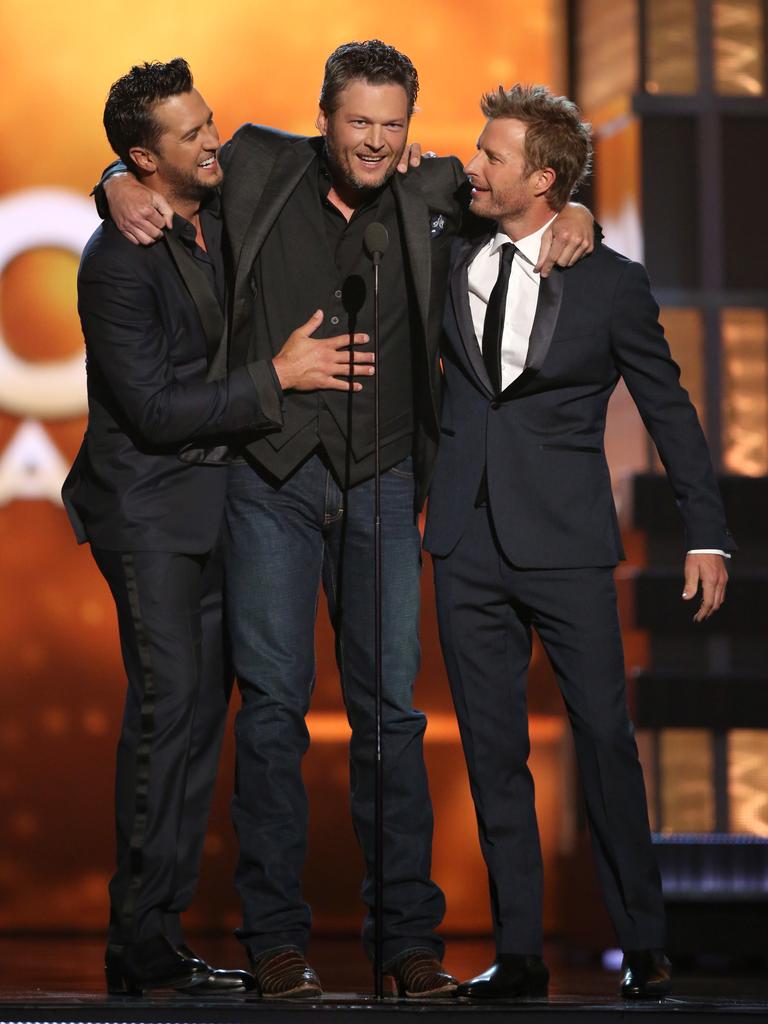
[[502, 188], [366, 134], [184, 161]]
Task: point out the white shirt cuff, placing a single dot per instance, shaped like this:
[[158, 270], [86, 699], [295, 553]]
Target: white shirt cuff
[[708, 551]]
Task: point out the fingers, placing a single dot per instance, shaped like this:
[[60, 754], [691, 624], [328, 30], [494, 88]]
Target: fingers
[[313, 323], [708, 571], [162, 207], [545, 262], [707, 605], [142, 237], [691, 584], [712, 594], [580, 249], [333, 384], [411, 157], [342, 341], [564, 251]]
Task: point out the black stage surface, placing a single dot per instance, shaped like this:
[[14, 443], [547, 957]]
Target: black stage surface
[[59, 979]]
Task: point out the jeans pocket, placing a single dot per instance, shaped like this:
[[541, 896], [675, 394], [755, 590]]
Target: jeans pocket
[[404, 468]]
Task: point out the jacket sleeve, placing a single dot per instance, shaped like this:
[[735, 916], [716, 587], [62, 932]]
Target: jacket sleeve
[[642, 355], [125, 339]]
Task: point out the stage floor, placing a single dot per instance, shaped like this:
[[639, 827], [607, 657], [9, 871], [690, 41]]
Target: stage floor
[[60, 979]]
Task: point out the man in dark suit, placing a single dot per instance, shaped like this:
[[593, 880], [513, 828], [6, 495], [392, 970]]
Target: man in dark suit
[[152, 318], [300, 502], [523, 532]]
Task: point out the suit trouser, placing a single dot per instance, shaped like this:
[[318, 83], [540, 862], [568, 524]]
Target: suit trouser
[[486, 610], [169, 609], [281, 543]]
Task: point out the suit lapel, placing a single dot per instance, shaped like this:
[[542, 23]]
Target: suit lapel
[[278, 182], [414, 219], [459, 290], [544, 323], [201, 292]]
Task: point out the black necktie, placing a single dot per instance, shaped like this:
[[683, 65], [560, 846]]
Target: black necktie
[[493, 327]]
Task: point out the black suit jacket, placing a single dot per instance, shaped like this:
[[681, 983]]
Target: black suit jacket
[[262, 168], [151, 323], [548, 481]]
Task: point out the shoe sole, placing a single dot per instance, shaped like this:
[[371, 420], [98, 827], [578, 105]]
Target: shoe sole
[[182, 984], [302, 992], [433, 993], [635, 994]]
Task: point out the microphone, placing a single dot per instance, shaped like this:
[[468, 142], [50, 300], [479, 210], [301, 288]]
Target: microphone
[[376, 240]]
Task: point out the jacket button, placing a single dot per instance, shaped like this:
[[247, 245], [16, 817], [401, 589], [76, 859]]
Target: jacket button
[[495, 404], [334, 320]]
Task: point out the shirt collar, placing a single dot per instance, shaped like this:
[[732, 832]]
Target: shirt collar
[[528, 246], [185, 230]]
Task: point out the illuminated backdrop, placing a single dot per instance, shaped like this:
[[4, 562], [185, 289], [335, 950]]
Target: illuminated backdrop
[[61, 684]]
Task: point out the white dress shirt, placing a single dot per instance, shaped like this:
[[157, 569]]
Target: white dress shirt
[[522, 297], [520, 310]]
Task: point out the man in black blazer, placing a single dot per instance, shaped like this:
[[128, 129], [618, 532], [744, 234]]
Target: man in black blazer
[[152, 318], [523, 532], [300, 502]]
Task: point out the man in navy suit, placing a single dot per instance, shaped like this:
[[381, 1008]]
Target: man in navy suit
[[523, 531], [140, 492]]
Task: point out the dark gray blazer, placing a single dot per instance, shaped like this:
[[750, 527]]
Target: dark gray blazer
[[548, 480], [262, 168]]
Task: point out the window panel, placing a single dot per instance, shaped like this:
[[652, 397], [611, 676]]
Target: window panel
[[687, 792], [671, 47], [607, 49], [739, 47], [745, 391], [748, 781]]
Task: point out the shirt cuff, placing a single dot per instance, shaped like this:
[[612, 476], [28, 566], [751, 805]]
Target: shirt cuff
[[708, 551]]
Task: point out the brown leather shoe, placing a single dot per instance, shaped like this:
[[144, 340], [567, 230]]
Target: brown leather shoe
[[420, 975], [286, 975]]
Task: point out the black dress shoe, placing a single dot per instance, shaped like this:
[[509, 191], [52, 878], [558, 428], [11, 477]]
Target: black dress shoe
[[646, 974], [512, 976], [154, 963], [217, 979]]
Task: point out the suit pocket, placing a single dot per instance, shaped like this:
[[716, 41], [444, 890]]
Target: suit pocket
[[592, 449], [447, 431]]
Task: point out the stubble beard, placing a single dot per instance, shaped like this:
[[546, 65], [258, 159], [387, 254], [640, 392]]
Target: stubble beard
[[185, 186], [345, 173]]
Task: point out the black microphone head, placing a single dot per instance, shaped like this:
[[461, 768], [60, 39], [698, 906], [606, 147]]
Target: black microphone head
[[376, 239]]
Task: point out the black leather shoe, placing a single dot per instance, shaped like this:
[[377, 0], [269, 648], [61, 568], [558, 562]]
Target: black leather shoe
[[512, 976], [217, 979], [645, 974], [154, 963]]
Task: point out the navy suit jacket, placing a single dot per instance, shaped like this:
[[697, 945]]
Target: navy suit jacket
[[542, 440], [152, 324]]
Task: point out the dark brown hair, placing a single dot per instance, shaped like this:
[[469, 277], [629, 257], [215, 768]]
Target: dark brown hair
[[555, 137], [128, 116], [372, 61]]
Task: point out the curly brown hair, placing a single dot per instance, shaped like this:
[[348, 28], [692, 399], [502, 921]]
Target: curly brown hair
[[555, 137]]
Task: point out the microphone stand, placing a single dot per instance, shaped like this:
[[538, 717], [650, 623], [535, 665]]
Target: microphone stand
[[376, 241]]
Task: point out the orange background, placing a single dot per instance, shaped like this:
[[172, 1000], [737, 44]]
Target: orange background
[[61, 686]]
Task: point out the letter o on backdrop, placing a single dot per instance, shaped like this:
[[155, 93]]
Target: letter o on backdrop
[[33, 219]]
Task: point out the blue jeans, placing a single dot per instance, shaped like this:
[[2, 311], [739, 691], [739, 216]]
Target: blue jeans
[[281, 543]]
